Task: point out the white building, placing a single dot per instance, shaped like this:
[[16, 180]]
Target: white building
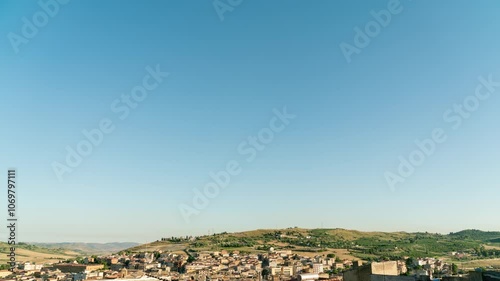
[[32, 267], [317, 268]]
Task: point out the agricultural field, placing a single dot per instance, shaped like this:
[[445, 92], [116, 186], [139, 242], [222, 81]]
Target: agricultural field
[[35, 254]]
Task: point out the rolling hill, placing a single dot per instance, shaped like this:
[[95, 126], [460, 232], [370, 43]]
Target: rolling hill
[[32, 253], [342, 242], [480, 247], [54, 252], [89, 248]]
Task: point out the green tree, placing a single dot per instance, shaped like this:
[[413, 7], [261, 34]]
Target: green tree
[[409, 263], [454, 269]]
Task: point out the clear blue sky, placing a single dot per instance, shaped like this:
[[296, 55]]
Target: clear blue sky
[[326, 168]]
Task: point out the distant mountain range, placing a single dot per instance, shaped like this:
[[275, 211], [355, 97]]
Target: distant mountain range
[[88, 248]]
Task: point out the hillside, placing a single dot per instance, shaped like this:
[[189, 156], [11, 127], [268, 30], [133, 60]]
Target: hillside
[[344, 243], [89, 248], [37, 254], [54, 252], [486, 236]]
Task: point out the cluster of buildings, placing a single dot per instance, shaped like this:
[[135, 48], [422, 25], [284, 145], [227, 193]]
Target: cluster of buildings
[[275, 265], [391, 271], [429, 266]]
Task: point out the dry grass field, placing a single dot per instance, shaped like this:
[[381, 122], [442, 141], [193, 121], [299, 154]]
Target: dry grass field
[[23, 255], [495, 263]]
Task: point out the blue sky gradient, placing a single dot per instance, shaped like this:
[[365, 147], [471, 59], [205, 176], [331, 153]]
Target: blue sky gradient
[[226, 77]]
